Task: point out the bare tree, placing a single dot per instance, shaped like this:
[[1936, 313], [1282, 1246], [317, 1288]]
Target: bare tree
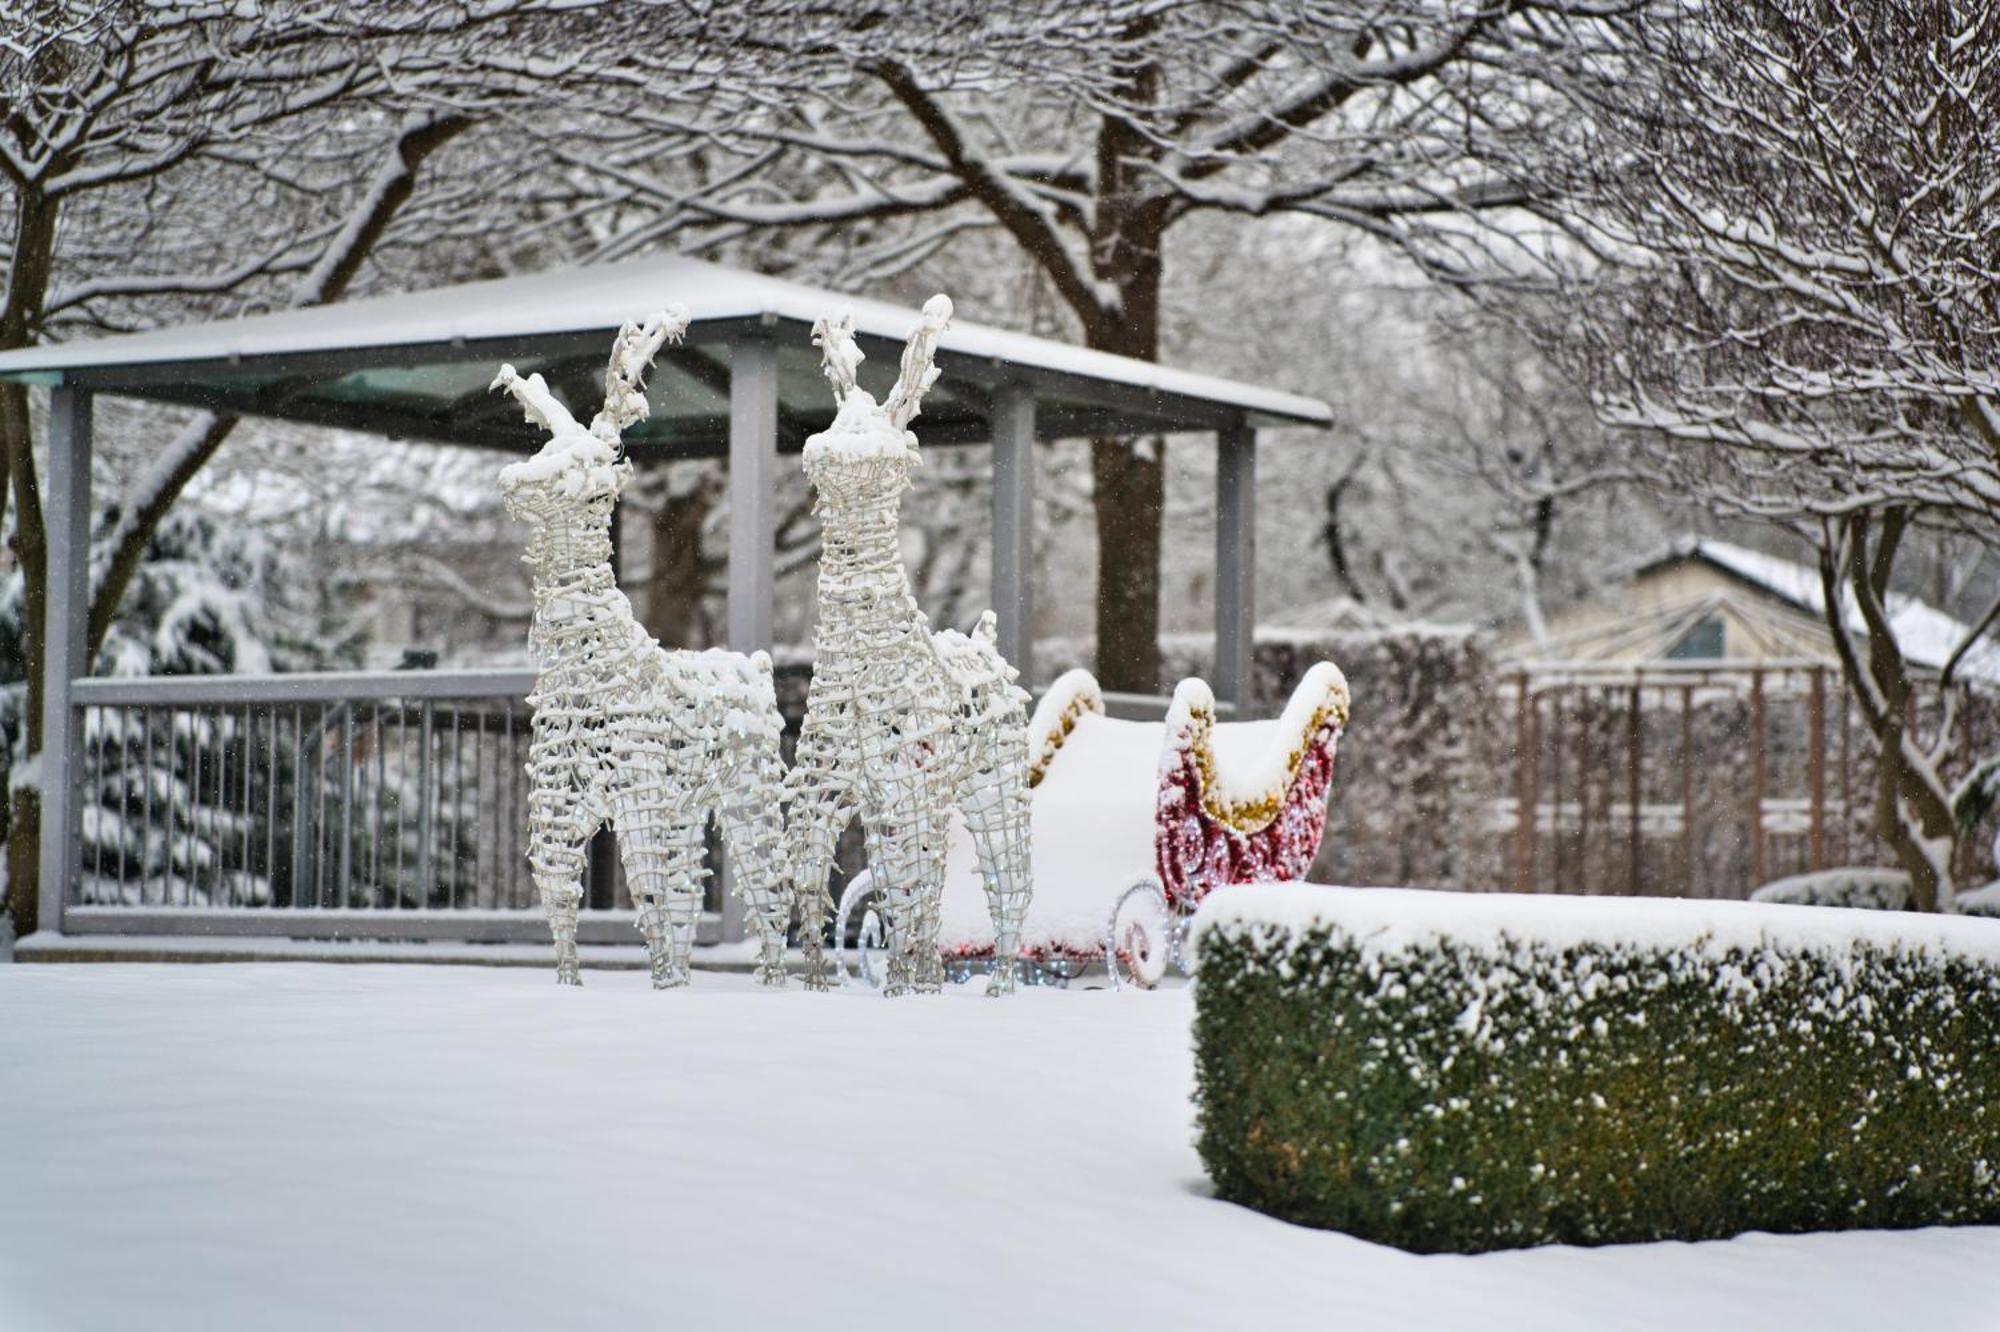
[[179, 157], [1781, 271], [1085, 135]]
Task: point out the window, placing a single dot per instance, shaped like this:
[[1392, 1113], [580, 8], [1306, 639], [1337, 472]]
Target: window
[[1701, 643]]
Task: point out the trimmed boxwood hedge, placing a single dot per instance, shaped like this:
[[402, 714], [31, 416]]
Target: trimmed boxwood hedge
[[1448, 1090]]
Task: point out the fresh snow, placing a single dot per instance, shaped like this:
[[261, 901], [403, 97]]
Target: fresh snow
[[268, 1146], [1388, 920]]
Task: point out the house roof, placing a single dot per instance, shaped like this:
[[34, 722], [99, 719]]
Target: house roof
[[418, 364], [1926, 635]]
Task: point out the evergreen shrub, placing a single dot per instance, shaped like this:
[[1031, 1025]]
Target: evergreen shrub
[[1458, 1073]]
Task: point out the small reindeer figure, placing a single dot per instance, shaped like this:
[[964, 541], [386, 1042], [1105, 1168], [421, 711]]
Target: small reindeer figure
[[901, 724], [627, 734]]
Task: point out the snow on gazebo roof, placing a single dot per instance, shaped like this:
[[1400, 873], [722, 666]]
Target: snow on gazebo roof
[[418, 364]]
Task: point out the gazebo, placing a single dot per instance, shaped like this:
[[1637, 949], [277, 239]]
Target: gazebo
[[744, 386]]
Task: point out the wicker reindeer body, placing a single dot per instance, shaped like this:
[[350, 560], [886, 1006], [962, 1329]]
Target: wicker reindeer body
[[902, 725], [626, 734]]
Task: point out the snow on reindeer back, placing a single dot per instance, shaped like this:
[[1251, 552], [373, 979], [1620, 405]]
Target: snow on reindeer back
[[863, 428]]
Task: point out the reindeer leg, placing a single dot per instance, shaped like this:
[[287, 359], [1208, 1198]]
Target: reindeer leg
[[993, 799], [752, 821], [817, 809], [662, 854], [558, 833]]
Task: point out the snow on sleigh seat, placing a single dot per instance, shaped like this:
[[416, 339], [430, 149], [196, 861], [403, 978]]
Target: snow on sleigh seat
[[1134, 822]]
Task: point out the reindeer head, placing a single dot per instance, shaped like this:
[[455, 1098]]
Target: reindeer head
[[867, 453], [582, 470]]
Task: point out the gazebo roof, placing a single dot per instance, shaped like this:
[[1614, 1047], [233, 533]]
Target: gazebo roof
[[417, 365]]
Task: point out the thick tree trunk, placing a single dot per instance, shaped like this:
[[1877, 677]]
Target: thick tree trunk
[[1129, 482], [24, 825], [1129, 494], [680, 574]]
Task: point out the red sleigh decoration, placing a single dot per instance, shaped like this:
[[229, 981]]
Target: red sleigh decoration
[[1134, 823], [1213, 831]]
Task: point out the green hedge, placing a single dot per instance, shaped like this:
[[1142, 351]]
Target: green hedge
[[1368, 1061]]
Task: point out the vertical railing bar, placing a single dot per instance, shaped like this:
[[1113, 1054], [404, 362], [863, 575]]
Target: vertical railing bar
[[347, 805], [298, 805], [271, 805], [124, 789], [457, 797], [509, 786], [381, 810], [187, 843], [218, 896], [481, 791], [91, 780], [146, 799], [272, 751], [320, 733], [249, 736], [403, 896], [426, 727]]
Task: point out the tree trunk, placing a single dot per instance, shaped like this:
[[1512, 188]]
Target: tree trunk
[[1129, 494], [1926, 851], [680, 574], [1913, 812], [24, 823]]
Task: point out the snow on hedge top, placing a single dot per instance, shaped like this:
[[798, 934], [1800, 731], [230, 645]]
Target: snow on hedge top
[[1394, 920]]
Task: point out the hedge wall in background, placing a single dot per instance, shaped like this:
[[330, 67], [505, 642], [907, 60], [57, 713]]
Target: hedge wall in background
[[1473, 1093]]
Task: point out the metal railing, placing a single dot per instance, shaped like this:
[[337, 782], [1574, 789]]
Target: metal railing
[[342, 805]]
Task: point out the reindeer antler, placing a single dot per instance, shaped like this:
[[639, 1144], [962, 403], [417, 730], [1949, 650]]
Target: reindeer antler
[[624, 389], [533, 395], [839, 355], [918, 373]]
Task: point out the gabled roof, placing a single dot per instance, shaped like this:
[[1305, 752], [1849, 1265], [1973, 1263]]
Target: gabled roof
[[1926, 634], [418, 364]]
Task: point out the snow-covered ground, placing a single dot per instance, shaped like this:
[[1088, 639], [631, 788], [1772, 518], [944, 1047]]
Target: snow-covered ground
[[296, 1146]]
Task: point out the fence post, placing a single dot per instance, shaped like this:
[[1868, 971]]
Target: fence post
[[1756, 778], [1527, 787], [1556, 821], [1635, 747], [1816, 767], [1687, 784]]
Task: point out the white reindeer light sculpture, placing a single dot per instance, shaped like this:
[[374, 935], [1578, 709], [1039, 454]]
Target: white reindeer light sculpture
[[626, 733], [901, 724]]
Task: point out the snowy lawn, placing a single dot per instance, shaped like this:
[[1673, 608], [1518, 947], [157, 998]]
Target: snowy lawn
[[293, 1146]]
